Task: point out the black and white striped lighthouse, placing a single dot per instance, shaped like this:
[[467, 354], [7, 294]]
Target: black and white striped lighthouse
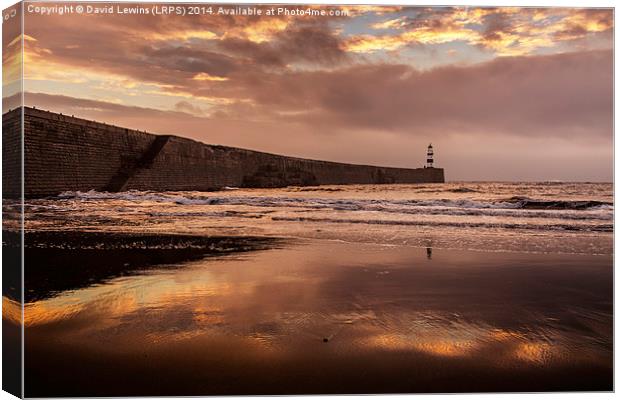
[[429, 156]]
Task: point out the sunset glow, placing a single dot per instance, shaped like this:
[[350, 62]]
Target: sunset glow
[[389, 78]]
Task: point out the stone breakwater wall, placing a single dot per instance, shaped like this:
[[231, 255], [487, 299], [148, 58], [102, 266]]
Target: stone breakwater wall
[[63, 153]]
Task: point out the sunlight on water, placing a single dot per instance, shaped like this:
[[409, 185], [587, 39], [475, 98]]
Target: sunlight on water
[[567, 218]]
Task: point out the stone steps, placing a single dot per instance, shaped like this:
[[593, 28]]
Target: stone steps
[[124, 174]]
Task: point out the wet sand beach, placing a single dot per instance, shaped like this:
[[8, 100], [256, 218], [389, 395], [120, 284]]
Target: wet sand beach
[[319, 316]]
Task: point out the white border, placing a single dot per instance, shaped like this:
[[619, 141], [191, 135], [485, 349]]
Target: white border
[[523, 3]]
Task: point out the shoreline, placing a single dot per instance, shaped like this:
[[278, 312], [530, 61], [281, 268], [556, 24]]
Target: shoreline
[[55, 258], [58, 261]]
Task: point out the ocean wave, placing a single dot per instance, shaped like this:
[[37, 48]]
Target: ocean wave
[[201, 214], [545, 227], [513, 203], [462, 190], [534, 204], [514, 207], [604, 215], [469, 207], [314, 189]]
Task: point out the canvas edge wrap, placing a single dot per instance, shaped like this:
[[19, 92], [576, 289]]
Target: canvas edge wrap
[[12, 187]]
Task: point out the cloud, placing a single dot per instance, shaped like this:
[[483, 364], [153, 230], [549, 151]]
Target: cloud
[[306, 44], [565, 95], [502, 30], [223, 52], [314, 44], [187, 107]]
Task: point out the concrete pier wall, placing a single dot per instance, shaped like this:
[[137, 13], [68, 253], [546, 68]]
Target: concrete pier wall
[[64, 153]]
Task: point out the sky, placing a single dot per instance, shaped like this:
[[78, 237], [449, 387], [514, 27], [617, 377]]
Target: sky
[[517, 94]]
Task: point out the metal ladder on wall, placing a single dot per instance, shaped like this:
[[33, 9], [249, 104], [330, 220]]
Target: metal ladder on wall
[[122, 176]]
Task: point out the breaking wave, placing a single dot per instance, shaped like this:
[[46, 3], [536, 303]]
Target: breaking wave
[[570, 217], [462, 190], [513, 203], [533, 204], [554, 227]]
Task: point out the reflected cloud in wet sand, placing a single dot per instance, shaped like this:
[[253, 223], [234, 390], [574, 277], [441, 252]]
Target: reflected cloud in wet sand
[[316, 316]]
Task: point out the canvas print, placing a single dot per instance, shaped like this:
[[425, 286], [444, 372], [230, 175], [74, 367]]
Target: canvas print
[[252, 199]]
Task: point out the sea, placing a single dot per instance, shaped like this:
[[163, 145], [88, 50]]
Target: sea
[[547, 217], [421, 288]]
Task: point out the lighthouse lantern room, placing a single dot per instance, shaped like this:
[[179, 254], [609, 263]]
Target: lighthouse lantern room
[[429, 156]]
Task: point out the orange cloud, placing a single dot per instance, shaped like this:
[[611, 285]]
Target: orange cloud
[[183, 35], [203, 76], [506, 31]]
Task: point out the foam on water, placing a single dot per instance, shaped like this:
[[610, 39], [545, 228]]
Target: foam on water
[[558, 215]]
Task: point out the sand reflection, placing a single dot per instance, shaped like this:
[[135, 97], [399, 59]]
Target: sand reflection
[[321, 299]]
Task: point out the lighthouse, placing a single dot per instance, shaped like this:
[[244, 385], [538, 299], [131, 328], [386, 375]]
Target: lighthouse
[[429, 156]]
